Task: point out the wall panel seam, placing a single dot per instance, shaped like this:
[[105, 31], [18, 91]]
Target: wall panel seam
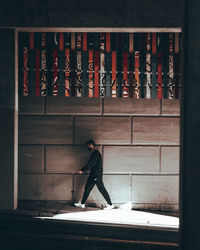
[[73, 130], [44, 158], [160, 160]]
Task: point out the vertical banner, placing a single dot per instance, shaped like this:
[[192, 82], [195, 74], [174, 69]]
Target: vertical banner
[[55, 72], [159, 76], [79, 89], [119, 65], [177, 65], [102, 65], [67, 39], [49, 63], [137, 65], [21, 64], [90, 40], [125, 46], [37, 63], [154, 65], [131, 42], [96, 73], [73, 41], [73, 64], [84, 41], [137, 76], [43, 65], [61, 75], [55, 65], [25, 67], [160, 61], [125, 71], [165, 51], [37, 72], [113, 48], [96, 63], [31, 61], [171, 66], [114, 81], [85, 79], [148, 66], [90, 73], [142, 64], [108, 66], [25, 88], [131, 65], [67, 72]]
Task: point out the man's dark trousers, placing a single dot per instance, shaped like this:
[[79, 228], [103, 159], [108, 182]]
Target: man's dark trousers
[[91, 181]]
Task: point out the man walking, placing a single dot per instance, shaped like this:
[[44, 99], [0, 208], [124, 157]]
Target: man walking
[[95, 178]]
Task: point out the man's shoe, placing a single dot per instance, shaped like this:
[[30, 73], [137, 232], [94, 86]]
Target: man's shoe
[[109, 207], [78, 204]]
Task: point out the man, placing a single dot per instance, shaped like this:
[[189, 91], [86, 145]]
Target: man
[[95, 178]]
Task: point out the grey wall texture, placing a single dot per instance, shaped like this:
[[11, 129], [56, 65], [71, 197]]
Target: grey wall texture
[[138, 139]]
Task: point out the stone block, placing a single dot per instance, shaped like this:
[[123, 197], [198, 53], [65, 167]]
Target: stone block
[[156, 130], [169, 207], [170, 159], [118, 193], [45, 187], [66, 159], [155, 189], [107, 130], [72, 105], [146, 206], [130, 106], [132, 159], [31, 105], [45, 130], [31, 158], [170, 107]]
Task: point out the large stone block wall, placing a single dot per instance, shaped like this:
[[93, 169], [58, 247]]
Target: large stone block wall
[[138, 139]]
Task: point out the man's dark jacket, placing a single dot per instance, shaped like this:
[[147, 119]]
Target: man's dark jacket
[[94, 164]]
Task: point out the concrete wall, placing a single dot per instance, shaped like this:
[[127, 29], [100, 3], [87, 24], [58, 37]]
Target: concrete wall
[[8, 124], [139, 141], [89, 13]]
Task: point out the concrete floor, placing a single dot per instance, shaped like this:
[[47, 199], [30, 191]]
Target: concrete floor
[[54, 207], [52, 225], [122, 215]]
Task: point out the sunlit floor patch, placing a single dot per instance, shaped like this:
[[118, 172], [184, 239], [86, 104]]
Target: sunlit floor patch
[[120, 216]]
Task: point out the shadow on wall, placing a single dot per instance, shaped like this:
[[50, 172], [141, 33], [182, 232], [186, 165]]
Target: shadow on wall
[[47, 163], [69, 159]]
